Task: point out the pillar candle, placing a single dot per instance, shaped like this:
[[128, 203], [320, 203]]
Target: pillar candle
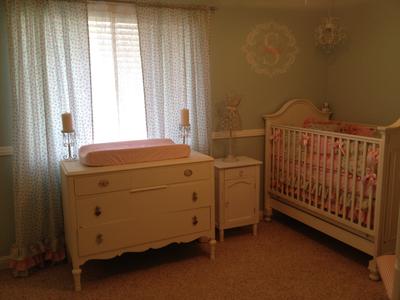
[[184, 117], [67, 122]]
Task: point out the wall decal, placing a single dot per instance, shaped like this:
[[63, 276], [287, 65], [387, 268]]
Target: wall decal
[[270, 49]]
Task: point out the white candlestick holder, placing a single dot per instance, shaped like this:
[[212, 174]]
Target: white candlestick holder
[[69, 141], [185, 131]]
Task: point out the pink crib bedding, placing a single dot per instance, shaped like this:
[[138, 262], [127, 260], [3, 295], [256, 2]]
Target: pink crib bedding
[[334, 174], [117, 153]]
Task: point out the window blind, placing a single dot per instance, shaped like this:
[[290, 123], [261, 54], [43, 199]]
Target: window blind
[[116, 73]]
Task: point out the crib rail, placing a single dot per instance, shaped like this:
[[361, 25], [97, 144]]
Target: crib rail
[[332, 174]]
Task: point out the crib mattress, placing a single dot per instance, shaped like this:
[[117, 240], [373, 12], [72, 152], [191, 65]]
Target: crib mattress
[[128, 152]]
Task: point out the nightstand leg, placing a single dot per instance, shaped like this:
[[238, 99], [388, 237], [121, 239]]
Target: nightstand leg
[[212, 249], [221, 235], [255, 229], [76, 273]]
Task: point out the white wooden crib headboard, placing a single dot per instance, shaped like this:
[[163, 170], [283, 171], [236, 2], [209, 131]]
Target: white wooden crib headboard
[[294, 112]]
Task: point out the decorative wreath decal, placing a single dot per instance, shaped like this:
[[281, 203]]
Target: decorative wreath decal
[[270, 49]]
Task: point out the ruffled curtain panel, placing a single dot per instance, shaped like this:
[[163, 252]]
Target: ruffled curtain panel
[[50, 74]]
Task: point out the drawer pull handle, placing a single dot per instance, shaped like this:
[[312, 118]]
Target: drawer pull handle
[[194, 196], [241, 173], [103, 183], [188, 172], [195, 221], [99, 239], [97, 211]]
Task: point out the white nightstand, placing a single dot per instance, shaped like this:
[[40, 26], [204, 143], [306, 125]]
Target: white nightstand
[[237, 193]]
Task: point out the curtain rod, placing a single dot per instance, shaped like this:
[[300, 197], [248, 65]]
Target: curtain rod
[[158, 4]]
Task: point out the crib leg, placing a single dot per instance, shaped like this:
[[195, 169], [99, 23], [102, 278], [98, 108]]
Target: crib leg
[[267, 209], [373, 270]]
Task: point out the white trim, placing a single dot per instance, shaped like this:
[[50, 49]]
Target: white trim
[[4, 262], [216, 135], [6, 151]]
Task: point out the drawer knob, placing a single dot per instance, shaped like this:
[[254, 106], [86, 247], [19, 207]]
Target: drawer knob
[[188, 172], [194, 196], [97, 211], [99, 239], [103, 183], [241, 173], [195, 221]]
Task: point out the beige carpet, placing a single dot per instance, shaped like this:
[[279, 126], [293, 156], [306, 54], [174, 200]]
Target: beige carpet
[[287, 260]]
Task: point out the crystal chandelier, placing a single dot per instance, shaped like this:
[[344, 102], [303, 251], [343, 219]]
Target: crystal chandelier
[[329, 33]]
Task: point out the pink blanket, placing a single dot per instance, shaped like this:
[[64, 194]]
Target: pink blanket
[[128, 152]]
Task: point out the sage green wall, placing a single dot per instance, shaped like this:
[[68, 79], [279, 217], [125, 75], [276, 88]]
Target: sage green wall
[[363, 76], [230, 72], [6, 203]]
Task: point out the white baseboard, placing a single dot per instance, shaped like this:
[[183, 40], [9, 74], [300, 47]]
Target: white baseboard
[[4, 262]]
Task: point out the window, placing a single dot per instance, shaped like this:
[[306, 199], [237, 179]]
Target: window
[[116, 73]]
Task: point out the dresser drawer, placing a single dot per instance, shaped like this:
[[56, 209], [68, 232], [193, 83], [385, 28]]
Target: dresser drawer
[[142, 230], [116, 206], [171, 174], [242, 172], [102, 183]]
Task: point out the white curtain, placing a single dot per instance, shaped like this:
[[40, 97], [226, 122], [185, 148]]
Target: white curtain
[[50, 74], [117, 83], [175, 60]]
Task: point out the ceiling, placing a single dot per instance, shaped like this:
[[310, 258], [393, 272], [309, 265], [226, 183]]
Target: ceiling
[[309, 4], [288, 3]]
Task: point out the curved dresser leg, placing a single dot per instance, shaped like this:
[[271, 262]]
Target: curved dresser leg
[[76, 273], [212, 248], [373, 270]]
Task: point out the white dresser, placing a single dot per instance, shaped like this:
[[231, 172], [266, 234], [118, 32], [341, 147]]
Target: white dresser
[[134, 207]]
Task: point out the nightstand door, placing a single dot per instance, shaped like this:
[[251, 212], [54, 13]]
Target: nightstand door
[[240, 201]]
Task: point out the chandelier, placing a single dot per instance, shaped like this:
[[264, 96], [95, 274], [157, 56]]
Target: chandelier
[[329, 34]]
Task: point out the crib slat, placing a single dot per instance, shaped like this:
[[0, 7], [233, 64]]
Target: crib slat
[[293, 162], [318, 170], [363, 169], [279, 162], [354, 182], [339, 176], [346, 179], [273, 158], [285, 161], [370, 206], [331, 177], [324, 174], [298, 145], [310, 169]]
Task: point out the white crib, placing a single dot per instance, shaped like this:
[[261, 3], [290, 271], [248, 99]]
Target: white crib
[[342, 184]]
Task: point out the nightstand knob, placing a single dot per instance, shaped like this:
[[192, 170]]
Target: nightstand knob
[[97, 211], [103, 183], [99, 238], [188, 172], [194, 221], [194, 196]]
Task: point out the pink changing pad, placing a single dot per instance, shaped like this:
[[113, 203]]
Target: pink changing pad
[[118, 153]]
